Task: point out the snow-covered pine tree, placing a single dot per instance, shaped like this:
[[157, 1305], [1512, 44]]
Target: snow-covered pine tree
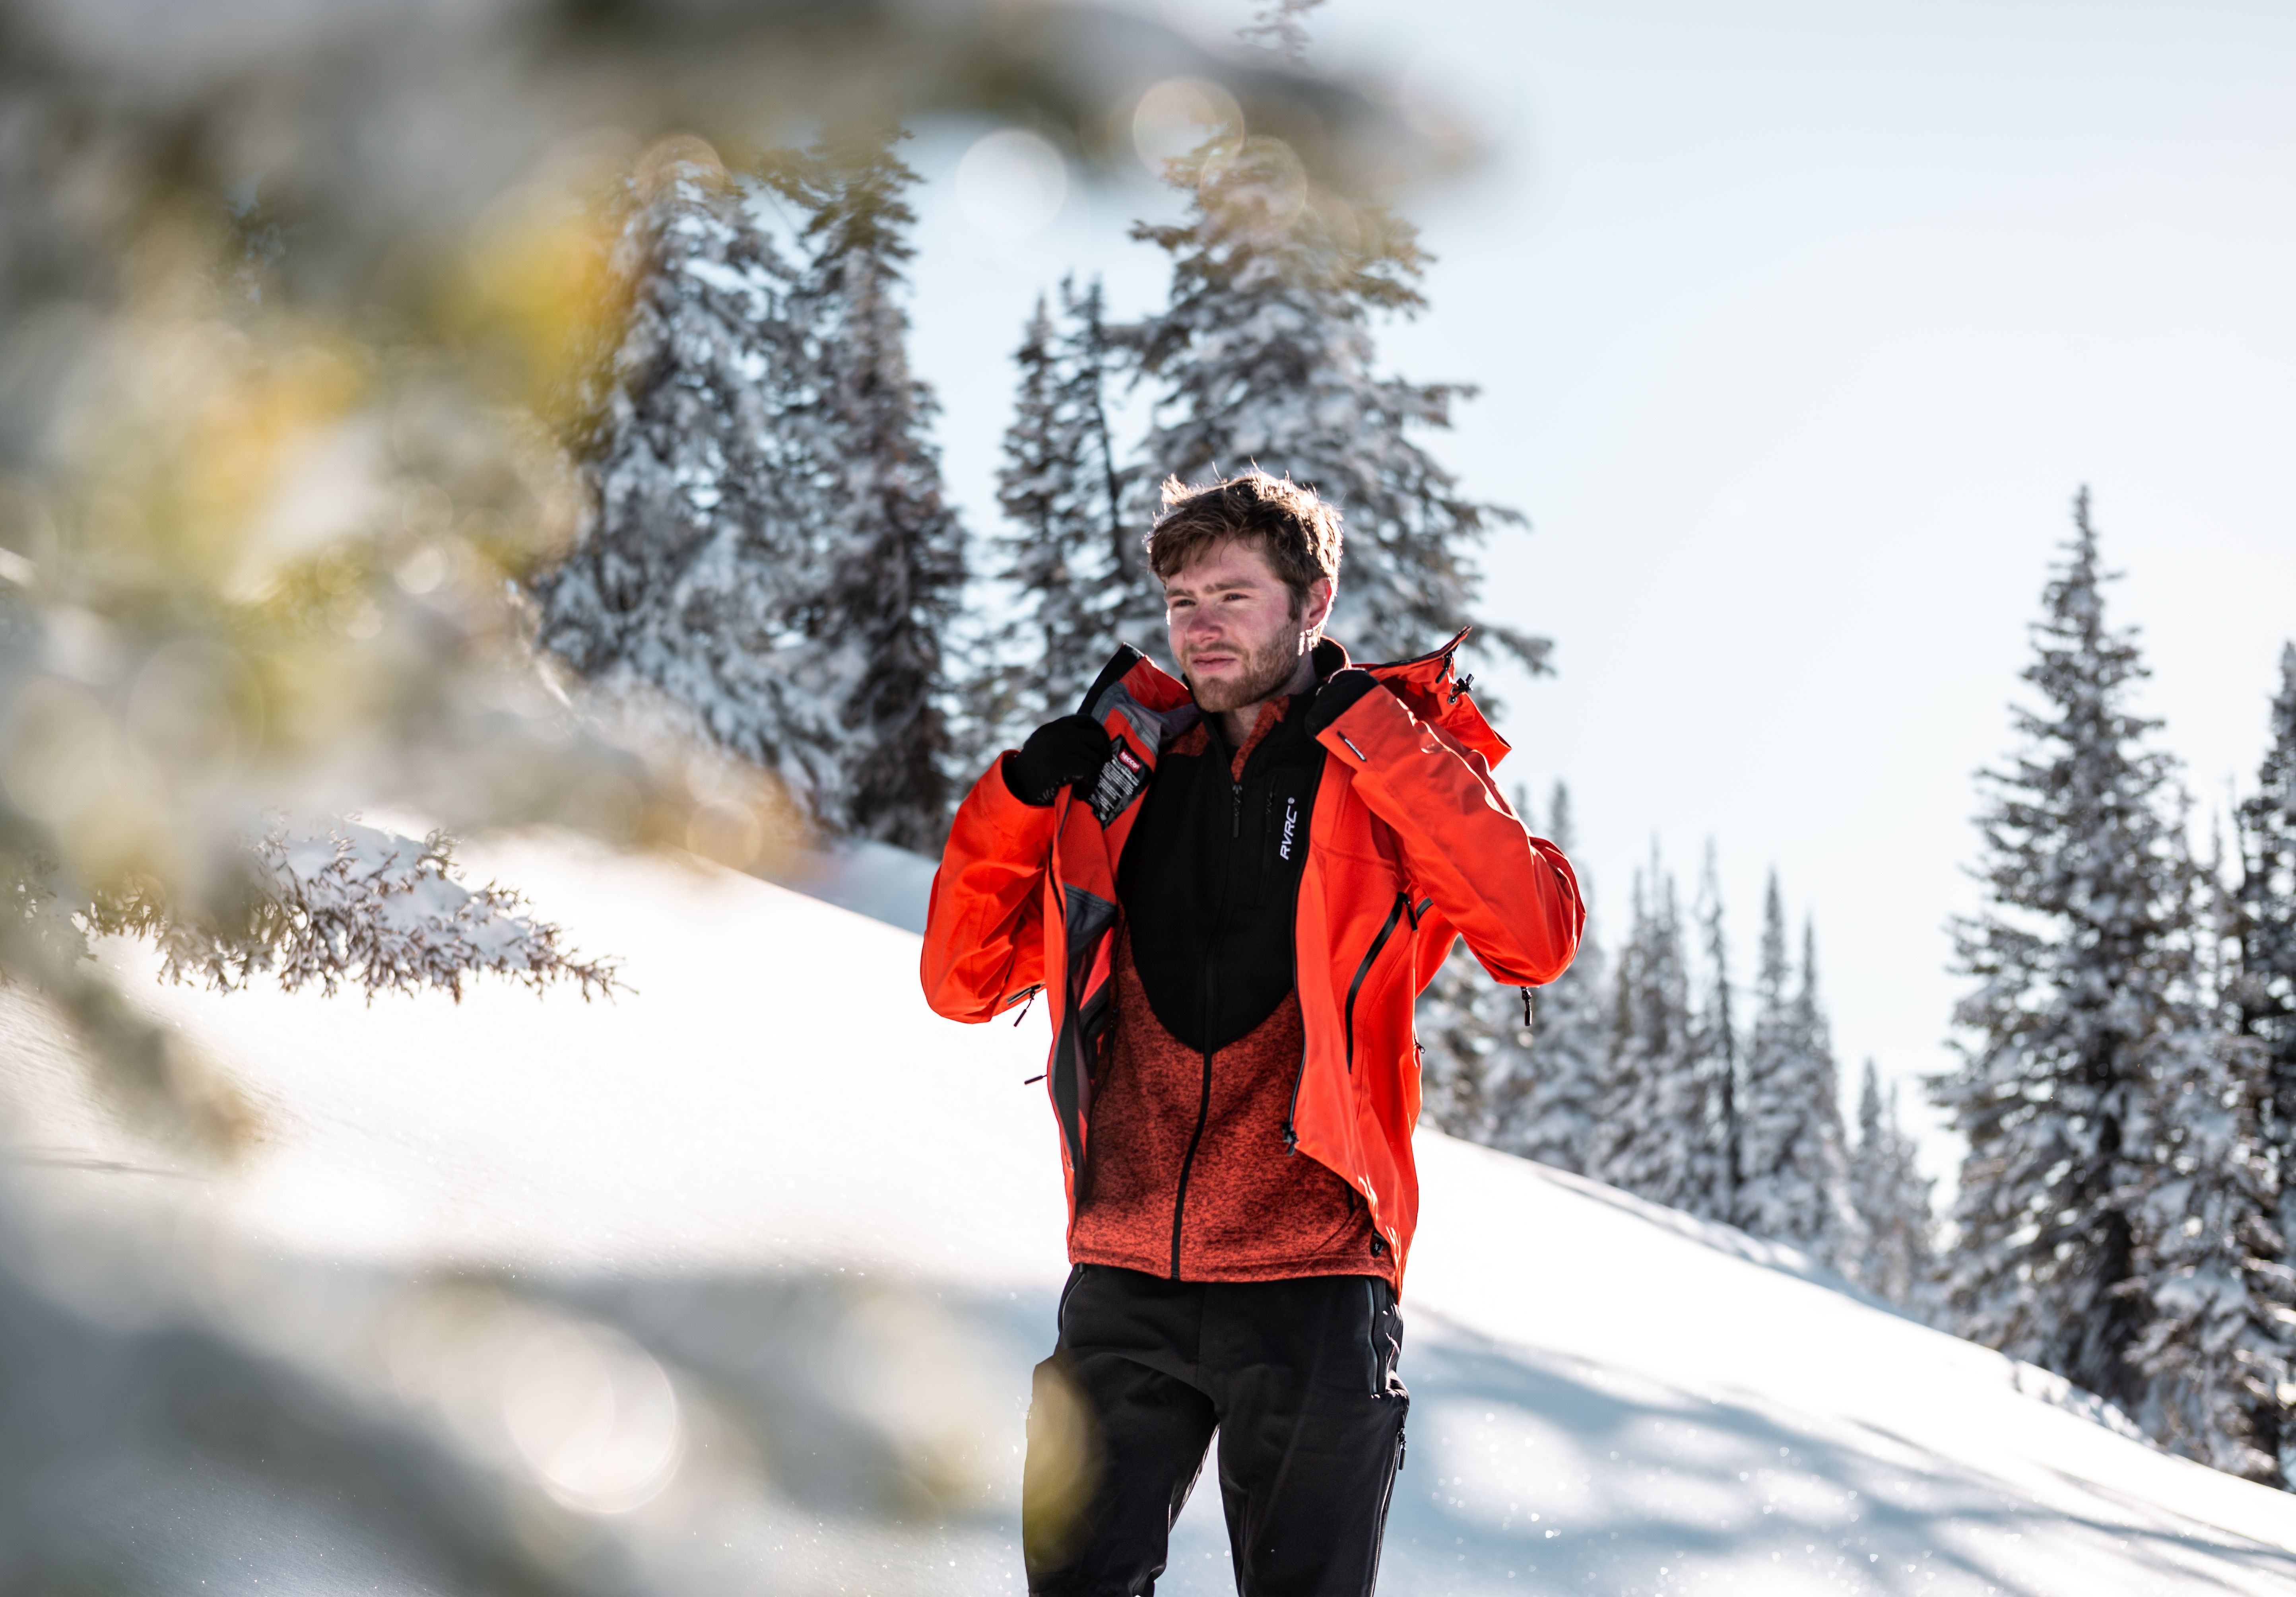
[[2264, 990], [1630, 1074], [1767, 1117], [1075, 562], [1475, 1064], [1264, 356], [1829, 1137], [1895, 1258], [693, 575], [893, 567], [1659, 1126], [1714, 1036], [2072, 1006], [341, 904], [1556, 1121], [2210, 1261], [1475, 1047], [1793, 1175]]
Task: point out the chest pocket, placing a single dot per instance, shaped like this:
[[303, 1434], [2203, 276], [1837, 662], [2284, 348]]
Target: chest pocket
[[1273, 835]]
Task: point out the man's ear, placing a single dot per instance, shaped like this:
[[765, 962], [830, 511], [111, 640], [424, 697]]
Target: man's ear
[[1321, 592]]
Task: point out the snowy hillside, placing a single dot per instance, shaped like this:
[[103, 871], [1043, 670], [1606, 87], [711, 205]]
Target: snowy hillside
[[745, 1271]]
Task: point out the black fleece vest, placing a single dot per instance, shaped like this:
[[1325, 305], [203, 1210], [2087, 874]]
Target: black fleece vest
[[1210, 878]]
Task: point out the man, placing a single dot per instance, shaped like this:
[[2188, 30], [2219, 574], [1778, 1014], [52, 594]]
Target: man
[[1231, 887]]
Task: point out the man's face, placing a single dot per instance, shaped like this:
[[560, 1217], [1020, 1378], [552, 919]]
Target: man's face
[[1235, 631]]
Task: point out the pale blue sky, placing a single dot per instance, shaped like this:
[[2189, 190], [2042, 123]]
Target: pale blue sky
[[1797, 324]]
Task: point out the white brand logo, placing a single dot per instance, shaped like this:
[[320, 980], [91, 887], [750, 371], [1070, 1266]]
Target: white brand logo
[[1291, 820]]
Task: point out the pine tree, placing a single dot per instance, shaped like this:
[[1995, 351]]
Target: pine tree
[[1659, 1133], [894, 553], [1827, 1139], [693, 575], [1794, 1178], [1265, 357], [1074, 561], [1475, 1049], [2264, 986], [1714, 1039], [1895, 1252], [2210, 1261], [1769, 1065], [2071, 1008], [1555, 1119], [1475, 1067]]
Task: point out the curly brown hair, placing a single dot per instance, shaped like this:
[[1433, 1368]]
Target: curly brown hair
[[1296, 531]]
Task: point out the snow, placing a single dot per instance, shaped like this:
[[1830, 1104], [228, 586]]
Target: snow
[[860, 874], [799, 1241]]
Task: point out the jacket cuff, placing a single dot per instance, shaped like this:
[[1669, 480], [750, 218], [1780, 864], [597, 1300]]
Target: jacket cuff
[[996, 802]]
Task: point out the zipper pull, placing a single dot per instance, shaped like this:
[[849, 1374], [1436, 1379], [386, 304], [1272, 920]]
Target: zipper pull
[[1235, 809], [1526, 1009], [1032, 1004]]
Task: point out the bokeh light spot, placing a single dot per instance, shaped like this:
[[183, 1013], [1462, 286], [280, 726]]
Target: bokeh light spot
[[1179, 115], [1011, 184], [594, 1415]]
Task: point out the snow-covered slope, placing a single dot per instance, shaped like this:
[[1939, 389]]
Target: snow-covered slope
[[747, 1269]]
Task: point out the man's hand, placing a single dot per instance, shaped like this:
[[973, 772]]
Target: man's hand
[[1058, 754], [1341, 692]]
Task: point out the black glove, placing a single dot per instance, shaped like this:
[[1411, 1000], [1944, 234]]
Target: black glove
[[1341, 692], [1058, 754]]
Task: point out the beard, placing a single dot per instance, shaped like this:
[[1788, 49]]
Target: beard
[[1265, 672]]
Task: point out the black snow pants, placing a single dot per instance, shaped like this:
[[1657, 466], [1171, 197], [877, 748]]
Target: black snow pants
[[1298, 1378]]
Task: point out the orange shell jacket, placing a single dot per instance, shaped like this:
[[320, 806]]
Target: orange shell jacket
[[1410, 846]]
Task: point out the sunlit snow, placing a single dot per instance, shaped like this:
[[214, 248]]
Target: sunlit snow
[[750, 1264]]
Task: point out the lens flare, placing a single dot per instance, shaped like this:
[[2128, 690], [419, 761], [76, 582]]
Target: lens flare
[[594, 1416], [1179, 116], [1011, 184]]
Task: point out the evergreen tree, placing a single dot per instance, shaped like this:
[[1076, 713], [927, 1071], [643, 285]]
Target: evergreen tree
[[694, 574], [1475, 1064], [1475, 1049], [1896, 1232], [1767, 1116], [1076, 566], [1827, 1138], [894, 553], [2210, 1260], [1658, 1135], [1555, 1120], [1265, 357], [1511, 1070], [2264, 986], [1714, 1038], [1794, 1185], [2073, 1007]]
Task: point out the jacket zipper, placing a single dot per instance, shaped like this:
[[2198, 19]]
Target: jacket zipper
[[1394, 914], [1298, 1076], [1291, 1115], [1204, 1101], [1371, 1335]]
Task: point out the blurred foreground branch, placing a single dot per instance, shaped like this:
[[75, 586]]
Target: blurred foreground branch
[[353, 905], [298, 303]]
